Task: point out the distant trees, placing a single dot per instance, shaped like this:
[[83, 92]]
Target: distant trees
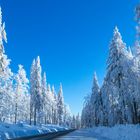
[[117, 100], [92, 111], [33, 101], [45, 105], [95, 102]]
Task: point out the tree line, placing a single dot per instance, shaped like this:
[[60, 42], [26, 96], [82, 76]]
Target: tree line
[[117, 101], [33, 100]]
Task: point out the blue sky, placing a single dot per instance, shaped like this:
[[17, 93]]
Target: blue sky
[[70, 36]]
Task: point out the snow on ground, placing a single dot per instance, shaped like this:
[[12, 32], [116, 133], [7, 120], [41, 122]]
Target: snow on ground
[[8, 131], [119, 132]]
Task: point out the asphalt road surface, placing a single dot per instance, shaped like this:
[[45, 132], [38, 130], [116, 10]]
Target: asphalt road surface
[[83, 134], [77, 135]]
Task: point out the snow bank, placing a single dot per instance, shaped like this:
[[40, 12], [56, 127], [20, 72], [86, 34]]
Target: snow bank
[[8, 131], [118, 132]]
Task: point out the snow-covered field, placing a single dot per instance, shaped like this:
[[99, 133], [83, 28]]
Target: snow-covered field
[[8, 131], [119, 132]]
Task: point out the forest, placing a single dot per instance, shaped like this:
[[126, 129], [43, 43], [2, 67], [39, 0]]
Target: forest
[[32, 100], [117, 101]]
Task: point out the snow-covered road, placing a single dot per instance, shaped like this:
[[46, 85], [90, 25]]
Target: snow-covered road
[[82, 134], [118, 132]]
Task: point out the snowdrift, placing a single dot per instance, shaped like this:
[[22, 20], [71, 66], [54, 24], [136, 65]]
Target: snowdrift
[[118, 132], [8, 131]]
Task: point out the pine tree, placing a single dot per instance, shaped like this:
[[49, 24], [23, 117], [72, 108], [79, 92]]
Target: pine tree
[[86, 113], [136, 70], [60, 106], [42, 105], [114, 88], [137, 42], [6, 88], [21, 95], [78, 121], [32, 90], [54, 105], [73, 122], [45, 99], [36, 91], [67, 116], [49, 103], [95, 102]]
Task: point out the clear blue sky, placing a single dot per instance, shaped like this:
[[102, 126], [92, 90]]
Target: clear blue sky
[[70, 36]]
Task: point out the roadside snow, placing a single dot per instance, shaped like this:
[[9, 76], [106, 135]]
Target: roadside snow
[[8, 131], [119, 132]]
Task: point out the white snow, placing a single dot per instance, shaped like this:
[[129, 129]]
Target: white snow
[[118, 132], [8, 131]]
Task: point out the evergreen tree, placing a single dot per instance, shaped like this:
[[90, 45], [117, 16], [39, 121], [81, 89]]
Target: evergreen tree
[[67, 116], [36, 91], [21, 97], [78, 121], [50, 103], [113, 89], [42, 105], [6, 88], [73, 122], [86, 113], [32, 90], [54, 106], [45, 99], [60, 106], [95, 102], [136, 70], [137, 42]]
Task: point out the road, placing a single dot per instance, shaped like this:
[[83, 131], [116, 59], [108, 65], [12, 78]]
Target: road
[[48, 136], [82, 134]]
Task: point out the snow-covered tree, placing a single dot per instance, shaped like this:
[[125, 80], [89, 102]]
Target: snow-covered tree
[[115, 104], [32, 90], [137, 42], [113, 89], [36, 91], [78, 121], [45, 98], [21, 95], [92, 113], [54, 106], [136, 70], [73, 122], [60, 105], [44, 102], [40, 104], [86, 113], [49, 104], [67, 117], [95, 102], [6, 88]]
